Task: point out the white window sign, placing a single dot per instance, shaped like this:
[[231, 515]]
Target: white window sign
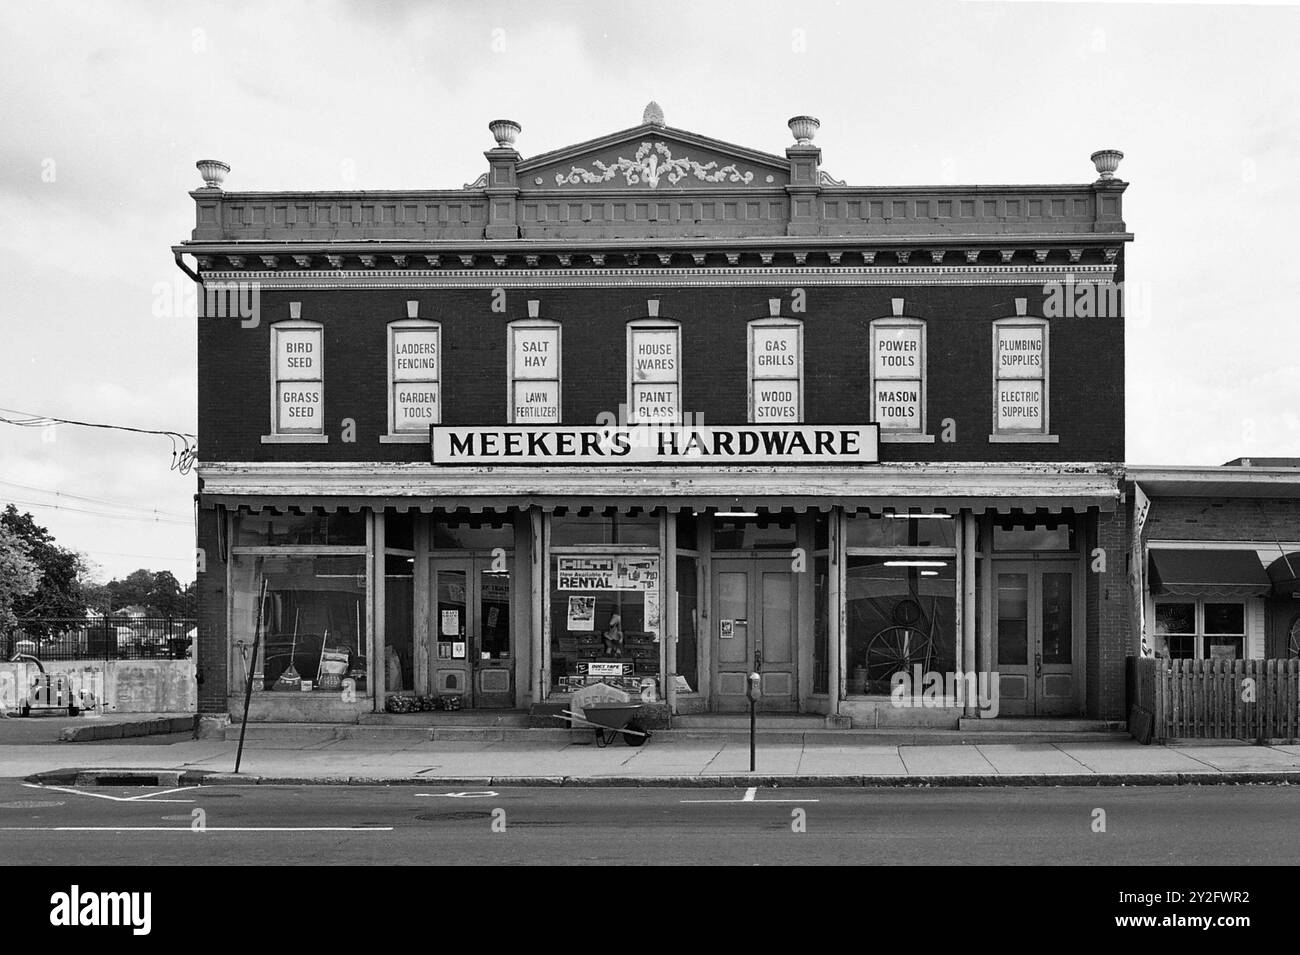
[[298, 388], [775, 371], [898, 375], [415, 376], [654, 374], [534, 383], [1020, 376]]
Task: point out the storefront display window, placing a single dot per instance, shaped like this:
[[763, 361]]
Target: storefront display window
[[268, 529], [688, 624], [313, 620], [399, 615], [399, 532], [605, 622], [821, 625], [900, 613], [867, 530]]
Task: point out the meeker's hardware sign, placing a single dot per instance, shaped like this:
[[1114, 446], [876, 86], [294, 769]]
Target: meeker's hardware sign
[[657, 444]]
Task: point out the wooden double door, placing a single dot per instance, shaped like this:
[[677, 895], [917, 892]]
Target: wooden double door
[[755, 627], [1038, 637], [471, 652]]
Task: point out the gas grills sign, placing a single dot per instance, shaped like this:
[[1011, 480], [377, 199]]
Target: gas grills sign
[[656, 444]]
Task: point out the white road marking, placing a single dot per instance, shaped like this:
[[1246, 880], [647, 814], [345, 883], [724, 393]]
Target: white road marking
[[191, 829], [82, 792], [470, 795], [750, 793], [751, 796]]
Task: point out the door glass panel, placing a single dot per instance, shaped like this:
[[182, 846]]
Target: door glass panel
[[1013, 619], [451, 614], [399, 616], [732, 603], [1058, 618], [778, 617], [494, 616]]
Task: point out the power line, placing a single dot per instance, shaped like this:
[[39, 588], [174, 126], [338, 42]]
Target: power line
[[112, 517], [95, 500], [184, 445]]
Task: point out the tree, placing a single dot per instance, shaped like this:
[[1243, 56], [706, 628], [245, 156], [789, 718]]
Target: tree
[[158, 592], [18, 574], [58, 590]]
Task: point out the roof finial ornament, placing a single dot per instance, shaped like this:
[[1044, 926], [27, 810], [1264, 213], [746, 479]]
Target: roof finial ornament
[[653, 115]]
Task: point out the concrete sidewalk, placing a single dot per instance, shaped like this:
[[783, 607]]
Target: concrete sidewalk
[[693, 762]]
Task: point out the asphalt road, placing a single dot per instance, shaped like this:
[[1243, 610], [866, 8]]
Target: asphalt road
[[271, 825]]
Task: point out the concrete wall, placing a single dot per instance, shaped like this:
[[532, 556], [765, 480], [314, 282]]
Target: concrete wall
[[122, 686]]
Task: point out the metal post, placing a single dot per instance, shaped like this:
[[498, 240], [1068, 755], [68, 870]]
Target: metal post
[[753, 729], [248, 690]]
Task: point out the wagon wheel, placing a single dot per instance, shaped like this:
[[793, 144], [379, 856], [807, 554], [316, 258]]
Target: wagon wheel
[[894, 649], [1293, 638], [632, 740]]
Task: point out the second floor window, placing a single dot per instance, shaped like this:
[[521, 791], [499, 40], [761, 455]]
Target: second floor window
[[898, 375], [414, 376], [1020, 376], [654, 372], [775, 371], [534, 375], [298, 360]]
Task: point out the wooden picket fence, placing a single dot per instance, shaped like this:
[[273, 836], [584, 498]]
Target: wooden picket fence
[[1211, 699]]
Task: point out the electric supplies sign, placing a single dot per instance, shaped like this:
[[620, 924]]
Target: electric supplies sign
[[657, 444]]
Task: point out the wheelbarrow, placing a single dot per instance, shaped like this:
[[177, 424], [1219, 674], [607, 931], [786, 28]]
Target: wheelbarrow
[[611, 719]]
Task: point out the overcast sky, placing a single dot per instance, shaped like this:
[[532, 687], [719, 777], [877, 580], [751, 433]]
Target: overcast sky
[[106, 107]]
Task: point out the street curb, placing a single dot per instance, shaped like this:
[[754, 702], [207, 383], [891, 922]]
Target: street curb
[[129, 728], [730, 780]]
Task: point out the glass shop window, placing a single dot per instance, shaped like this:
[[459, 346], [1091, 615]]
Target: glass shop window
[[399, 618], [687, 530], [399, 530], [313, 616], [415, 373], [898, 375], [901, 530], [534, 355], [474, 532], [267, 529], [654, 365], [1200, 629], [821, 625], [637, 526], [1020, 376], [775, 371], [760, 532], [688, 624], [900, 612], [605, 622]]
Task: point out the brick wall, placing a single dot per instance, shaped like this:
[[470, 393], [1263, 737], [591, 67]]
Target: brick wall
[[1210, 518], [210, 655], [1086, 365], [1108, 634]]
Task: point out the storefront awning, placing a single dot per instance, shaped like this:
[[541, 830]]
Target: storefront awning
[[1208, 573], [1284, 573]]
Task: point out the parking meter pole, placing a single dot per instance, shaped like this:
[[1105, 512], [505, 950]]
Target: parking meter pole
[[252, 666]]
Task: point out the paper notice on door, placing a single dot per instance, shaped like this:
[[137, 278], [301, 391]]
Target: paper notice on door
[[726, 629], [451, 623], [458, 651]]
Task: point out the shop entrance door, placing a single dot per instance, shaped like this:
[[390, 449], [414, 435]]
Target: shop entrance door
[[1037, 637], [470, 648], [755, 622]]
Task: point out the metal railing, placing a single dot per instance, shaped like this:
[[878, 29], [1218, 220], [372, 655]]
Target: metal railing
[[104, 638]]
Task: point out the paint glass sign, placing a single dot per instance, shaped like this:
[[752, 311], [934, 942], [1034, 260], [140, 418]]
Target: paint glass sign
[[655, 404]]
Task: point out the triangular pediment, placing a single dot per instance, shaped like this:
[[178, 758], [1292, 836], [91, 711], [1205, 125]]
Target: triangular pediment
[[653, 158]]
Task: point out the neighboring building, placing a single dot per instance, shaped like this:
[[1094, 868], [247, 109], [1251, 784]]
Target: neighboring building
[[655, 410], [1220, 550]]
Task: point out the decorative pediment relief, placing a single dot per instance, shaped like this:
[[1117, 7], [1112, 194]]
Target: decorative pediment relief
[[653, 158]]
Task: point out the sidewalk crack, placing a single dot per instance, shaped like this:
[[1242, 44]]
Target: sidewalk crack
[[1057, 747]]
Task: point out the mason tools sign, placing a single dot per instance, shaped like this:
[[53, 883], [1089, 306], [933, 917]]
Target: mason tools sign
[[656, 444]]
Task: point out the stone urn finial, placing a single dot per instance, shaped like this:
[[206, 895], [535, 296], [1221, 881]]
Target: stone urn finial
[[213, 172], [653, 115], [804, 129], [1107, 161], [506, 132]]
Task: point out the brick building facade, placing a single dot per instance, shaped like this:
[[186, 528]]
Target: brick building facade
[[658, 411]]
